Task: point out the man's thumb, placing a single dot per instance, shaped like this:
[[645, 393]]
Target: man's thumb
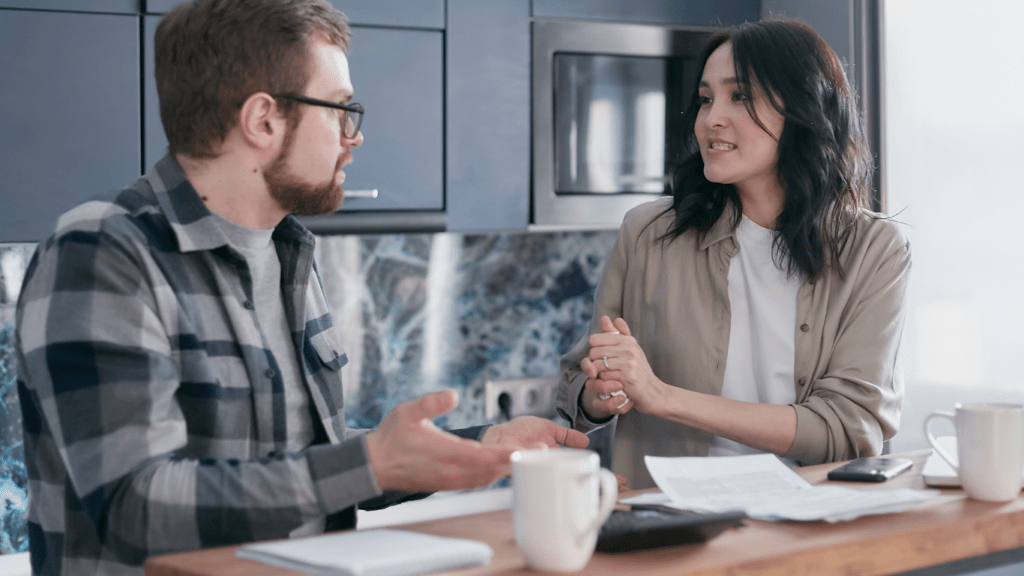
[[434, 405]]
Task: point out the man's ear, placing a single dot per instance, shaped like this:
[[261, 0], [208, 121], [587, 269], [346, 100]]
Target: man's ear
[[260, 122]]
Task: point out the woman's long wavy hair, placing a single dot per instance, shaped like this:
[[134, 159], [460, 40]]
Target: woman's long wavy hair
[[824, 164]]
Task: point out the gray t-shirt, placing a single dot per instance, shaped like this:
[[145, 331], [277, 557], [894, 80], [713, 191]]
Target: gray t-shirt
[[258, 249]]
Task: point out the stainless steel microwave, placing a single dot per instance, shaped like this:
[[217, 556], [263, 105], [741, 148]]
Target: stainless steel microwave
[[607, 104]]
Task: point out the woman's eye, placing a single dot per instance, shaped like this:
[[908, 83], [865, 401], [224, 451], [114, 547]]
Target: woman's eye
[[739, 96], [704, 100]]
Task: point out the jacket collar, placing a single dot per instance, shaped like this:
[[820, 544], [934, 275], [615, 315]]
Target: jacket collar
[[722, 228]]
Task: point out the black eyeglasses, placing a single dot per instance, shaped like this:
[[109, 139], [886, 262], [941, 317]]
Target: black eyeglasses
[[350, 120]]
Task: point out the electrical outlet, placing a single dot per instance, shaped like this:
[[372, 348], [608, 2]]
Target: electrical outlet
[[533, 396]]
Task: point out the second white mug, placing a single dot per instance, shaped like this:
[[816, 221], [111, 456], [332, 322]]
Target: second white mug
[[990, 449]]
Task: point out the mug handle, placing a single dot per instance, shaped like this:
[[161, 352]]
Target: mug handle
[[609, 496], [935, 443]]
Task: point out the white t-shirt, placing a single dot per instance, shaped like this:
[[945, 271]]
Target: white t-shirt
[[762, 334]]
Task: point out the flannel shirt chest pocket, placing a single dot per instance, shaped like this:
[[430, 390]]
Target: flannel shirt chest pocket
[[328, 349]]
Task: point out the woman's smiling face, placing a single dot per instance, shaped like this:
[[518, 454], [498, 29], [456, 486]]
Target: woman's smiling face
[[735, 149]]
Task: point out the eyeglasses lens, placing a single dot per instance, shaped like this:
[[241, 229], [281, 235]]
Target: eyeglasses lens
[[350, 122]]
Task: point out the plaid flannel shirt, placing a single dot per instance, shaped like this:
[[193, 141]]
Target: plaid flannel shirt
[[153, 409]]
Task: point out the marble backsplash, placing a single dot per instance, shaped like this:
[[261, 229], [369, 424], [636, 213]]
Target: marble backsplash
[[419, 312], [13, 478]]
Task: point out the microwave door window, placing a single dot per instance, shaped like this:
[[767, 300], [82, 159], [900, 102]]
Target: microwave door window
[[610, 117]]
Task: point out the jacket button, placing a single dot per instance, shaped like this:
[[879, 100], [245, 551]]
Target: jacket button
[[270, 373], [802, 381], [249, 305], [804, 327]]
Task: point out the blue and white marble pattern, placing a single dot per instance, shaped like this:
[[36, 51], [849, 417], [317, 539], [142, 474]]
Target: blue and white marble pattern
[[419, 313], [423, 312], [13, 478]]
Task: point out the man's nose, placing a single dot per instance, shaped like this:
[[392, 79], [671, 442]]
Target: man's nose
[[354, 142]]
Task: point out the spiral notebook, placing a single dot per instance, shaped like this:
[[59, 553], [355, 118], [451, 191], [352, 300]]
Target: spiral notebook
[[381, 552]]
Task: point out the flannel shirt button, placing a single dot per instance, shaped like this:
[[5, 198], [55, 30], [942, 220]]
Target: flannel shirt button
[[270, 373], [249, 305]]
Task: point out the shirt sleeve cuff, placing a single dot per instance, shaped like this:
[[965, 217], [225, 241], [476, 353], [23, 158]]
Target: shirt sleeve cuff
[[472, 433], [809, 444], [342, 474], [571, 411]]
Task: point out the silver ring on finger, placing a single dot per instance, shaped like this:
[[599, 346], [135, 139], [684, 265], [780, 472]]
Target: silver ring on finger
[[606, 366]]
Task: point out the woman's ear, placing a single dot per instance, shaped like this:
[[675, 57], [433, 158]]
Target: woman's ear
[[259, 121]]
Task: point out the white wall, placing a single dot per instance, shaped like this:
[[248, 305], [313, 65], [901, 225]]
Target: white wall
[[15, 565]]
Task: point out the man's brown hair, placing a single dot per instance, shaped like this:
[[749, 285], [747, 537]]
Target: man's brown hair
[[211, 55]]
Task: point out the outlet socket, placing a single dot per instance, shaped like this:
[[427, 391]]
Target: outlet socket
[[533, 396]]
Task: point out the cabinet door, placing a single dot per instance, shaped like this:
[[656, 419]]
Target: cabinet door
[[707, 13], [409, 13], [154, 142], [397, 75], [125, 6], [70, 121], [488, 121], [402, 13]]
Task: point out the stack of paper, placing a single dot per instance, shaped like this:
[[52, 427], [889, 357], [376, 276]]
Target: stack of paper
[[370, 553], [765, 488]]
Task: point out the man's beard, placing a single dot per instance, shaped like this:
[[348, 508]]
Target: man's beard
[[296, 196]]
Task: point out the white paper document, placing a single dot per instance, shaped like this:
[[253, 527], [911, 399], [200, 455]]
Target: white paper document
[[765, 488], [381, 552]]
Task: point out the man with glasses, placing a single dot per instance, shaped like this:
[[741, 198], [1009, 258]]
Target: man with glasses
[[178, 368]]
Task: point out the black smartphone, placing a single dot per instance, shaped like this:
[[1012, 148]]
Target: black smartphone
[[870, 469]]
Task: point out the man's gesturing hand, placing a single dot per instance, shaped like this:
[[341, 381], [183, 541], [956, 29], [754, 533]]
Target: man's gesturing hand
[[527, 432], [409, 453]]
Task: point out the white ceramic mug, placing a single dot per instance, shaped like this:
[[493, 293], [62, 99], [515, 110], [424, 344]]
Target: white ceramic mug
[[560, 499], [990, 449]]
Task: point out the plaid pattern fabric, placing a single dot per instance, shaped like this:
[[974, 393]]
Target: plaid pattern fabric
[[153, 409]]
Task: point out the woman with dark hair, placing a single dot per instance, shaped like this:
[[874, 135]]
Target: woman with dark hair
[[760, 308]]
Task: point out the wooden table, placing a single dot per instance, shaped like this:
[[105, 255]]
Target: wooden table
[[949, 529]]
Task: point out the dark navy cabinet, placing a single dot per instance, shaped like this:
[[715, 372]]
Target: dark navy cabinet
[[123, 6], [692, 13], [446, 85], [398, 13], [488, 115], [69, 114], [397, 75], [154, 143]]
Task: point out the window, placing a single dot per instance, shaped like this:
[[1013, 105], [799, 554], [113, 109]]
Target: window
[[954, 134]]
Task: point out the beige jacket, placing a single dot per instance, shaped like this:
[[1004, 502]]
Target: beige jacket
[[675, 299]]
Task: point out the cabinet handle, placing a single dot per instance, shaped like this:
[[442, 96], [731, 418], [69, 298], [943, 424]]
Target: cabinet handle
[[372, 193]]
